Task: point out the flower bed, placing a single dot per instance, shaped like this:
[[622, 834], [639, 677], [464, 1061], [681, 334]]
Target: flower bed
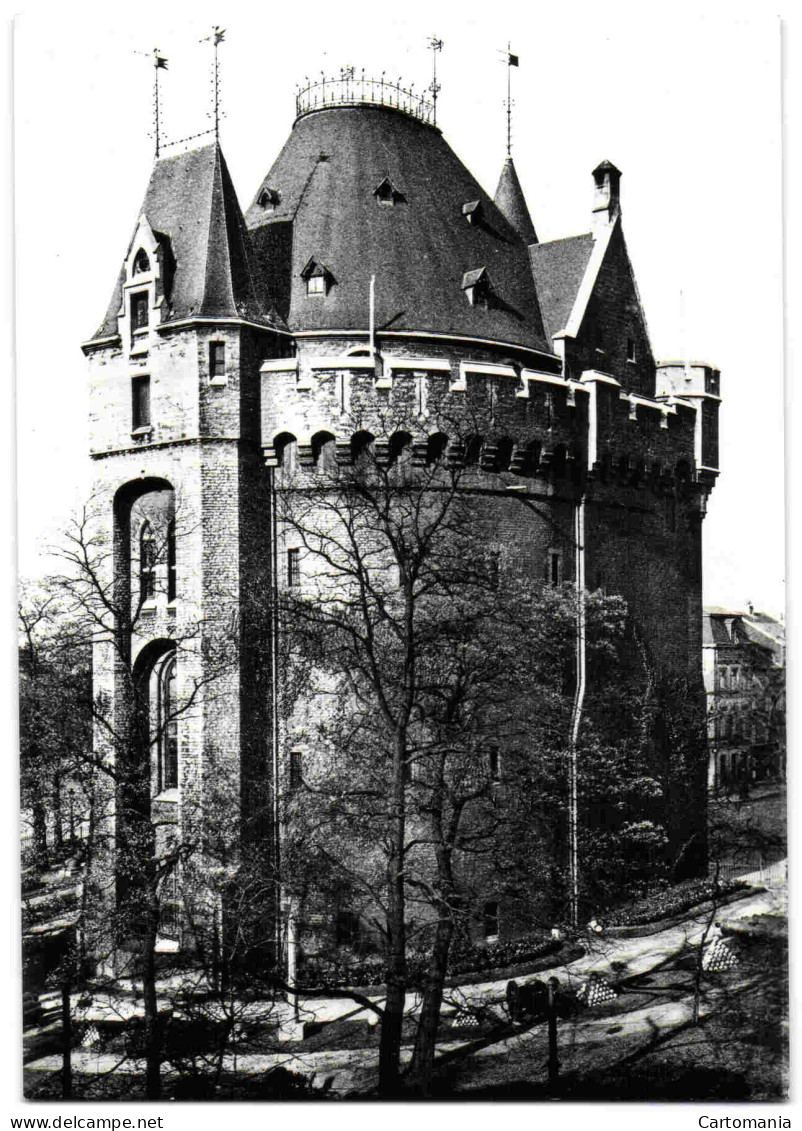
[[672, 901]]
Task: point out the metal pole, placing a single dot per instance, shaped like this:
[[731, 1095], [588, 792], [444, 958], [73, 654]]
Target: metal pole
[[373, 316], [554, 1064], [579, 698], [509, 104], [216, 92], [156, 99]]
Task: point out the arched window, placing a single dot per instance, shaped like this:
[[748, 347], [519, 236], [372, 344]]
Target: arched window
[[436, 447], [285, 446], [167, 727], [141, 262], [147, 562], [400, 447], [324, 455], [362, 447], [504, 449], [473, 450]]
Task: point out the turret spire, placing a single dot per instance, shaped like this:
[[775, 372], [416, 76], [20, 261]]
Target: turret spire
[[510, 200]]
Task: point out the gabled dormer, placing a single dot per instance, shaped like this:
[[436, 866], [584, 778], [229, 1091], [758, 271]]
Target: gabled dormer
[[146, 277], [268, 199], [387, 195], [318, 278], [473, 211], [477, 287]]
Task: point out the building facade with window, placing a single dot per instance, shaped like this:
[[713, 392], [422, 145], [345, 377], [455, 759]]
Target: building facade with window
[[744, 672], [370, 270]]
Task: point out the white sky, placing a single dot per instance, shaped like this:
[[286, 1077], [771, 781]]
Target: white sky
[[685, 102]]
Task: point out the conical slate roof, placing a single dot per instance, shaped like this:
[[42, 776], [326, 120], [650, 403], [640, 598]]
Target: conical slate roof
[[511, 201], [366, 190], [192, 208]]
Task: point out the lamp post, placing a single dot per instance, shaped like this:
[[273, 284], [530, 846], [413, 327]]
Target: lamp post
[[71, 793]]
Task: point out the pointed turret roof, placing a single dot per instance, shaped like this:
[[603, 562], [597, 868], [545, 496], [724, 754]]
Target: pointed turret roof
[[510, 200], [193, 210]]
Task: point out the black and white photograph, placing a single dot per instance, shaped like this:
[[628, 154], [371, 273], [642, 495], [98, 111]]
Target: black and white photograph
[[400, 647]]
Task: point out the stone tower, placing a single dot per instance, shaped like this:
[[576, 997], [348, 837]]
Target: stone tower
[[372, 267]]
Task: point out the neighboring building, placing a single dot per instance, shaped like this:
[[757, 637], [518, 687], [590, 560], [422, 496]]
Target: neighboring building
[[744, 672], [234, 346]]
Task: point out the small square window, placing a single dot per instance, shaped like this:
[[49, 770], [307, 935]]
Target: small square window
[[217, 359], [316, 285], [139, 311], [140, 402], [293, 568]]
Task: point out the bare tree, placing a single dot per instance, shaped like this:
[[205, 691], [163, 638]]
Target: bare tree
[[423, 670]]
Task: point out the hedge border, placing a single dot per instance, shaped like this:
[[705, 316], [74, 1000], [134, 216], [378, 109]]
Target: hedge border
[[560, 956], [636, 930]]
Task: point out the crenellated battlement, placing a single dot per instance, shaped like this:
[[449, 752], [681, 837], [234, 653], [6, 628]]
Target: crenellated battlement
[[520, 421]]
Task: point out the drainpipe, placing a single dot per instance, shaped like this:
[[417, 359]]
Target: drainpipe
[[274, 627], [373, 316], [576, 713]]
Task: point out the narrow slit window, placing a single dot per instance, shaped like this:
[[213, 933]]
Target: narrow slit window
[[293, 568], [217, 359], [630, 349], [147, 563], [553, 568], [494, 568], [172, 588], [140, 402], [296, 769], [490, 916], [343, 385], [168, 730], [493, 764]]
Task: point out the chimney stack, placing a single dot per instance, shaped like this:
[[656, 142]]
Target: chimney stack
[[607, 195]]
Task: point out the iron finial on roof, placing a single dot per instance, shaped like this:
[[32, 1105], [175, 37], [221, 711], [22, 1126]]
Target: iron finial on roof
[[435, 46]]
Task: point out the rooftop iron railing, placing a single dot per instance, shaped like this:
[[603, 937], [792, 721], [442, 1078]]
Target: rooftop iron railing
[[354, 88]]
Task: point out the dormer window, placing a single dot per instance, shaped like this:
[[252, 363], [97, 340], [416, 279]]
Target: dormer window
[[141, 263], [473, 211], [388, 195], [476, 285], [318, 278], [268, 198]]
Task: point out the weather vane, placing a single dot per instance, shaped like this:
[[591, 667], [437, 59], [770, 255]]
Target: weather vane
[[512, 61], [435, 45], [159, 64], [216, 38]]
